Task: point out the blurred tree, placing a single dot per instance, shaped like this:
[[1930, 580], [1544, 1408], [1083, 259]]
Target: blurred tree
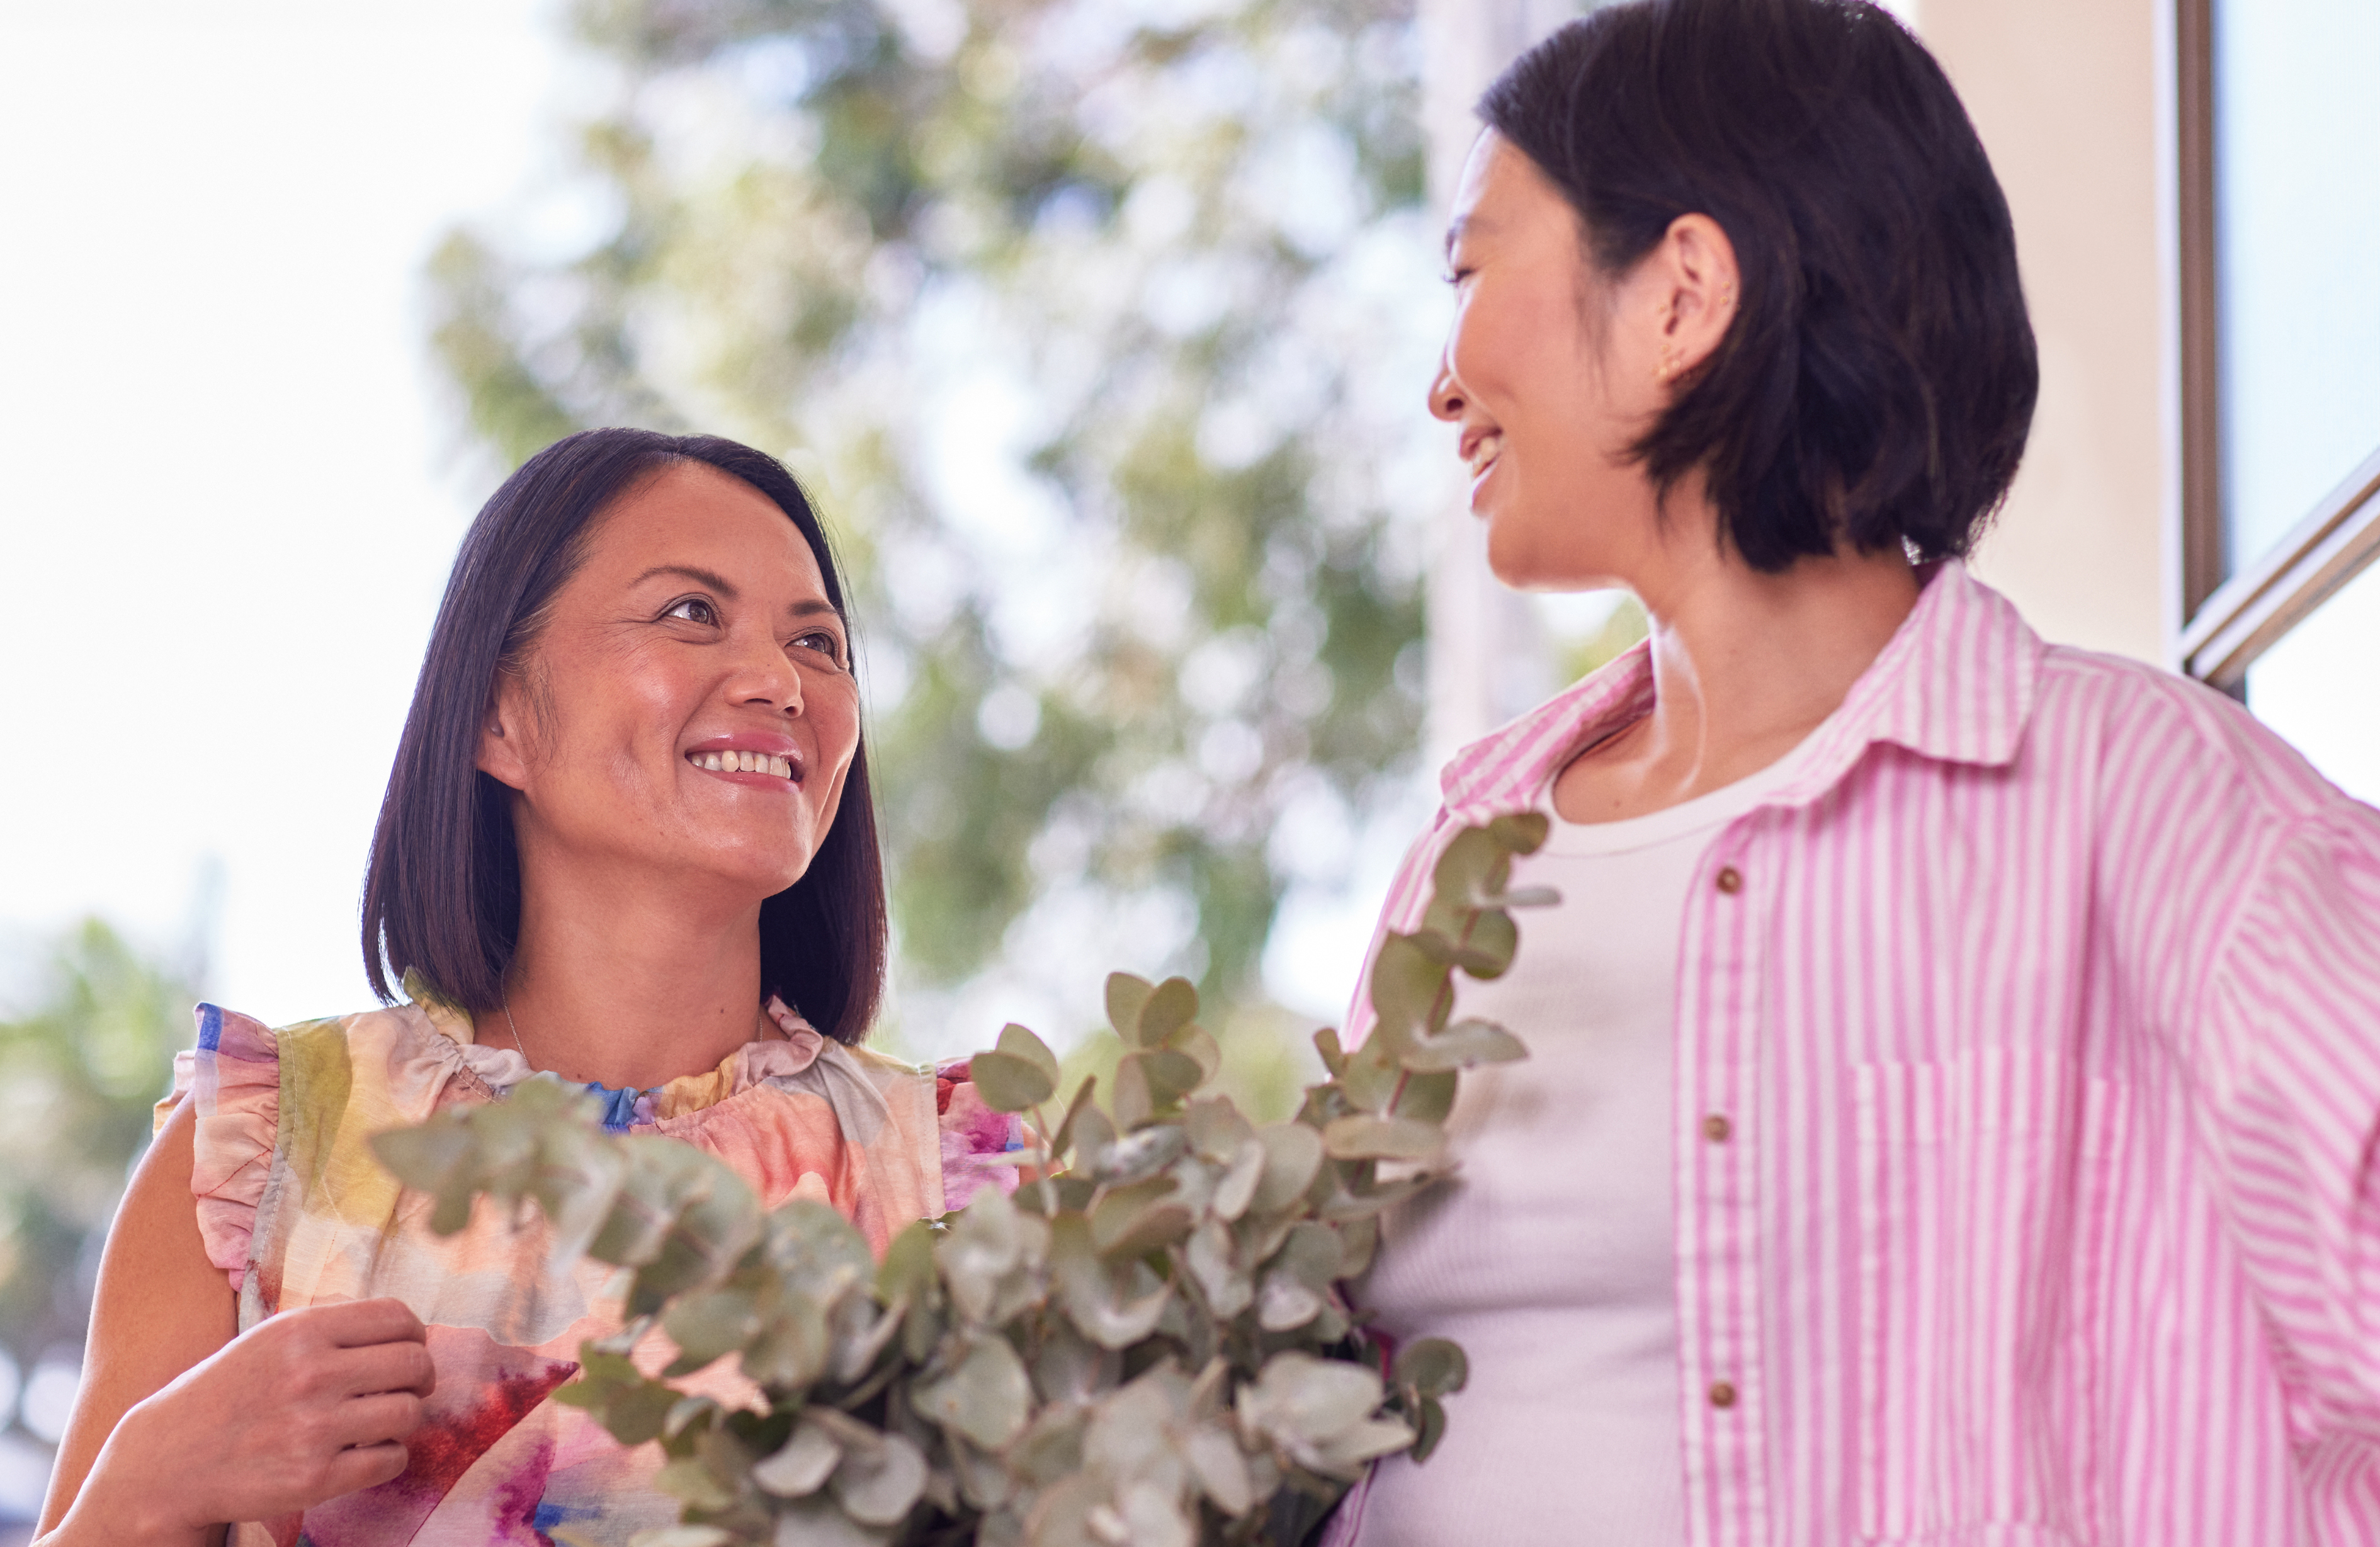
[[1101, 327], [82, 1070]]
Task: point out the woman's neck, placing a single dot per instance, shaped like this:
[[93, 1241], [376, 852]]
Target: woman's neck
[[1745, 664], [626, 987]]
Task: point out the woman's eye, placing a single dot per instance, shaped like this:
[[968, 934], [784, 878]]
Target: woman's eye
[[694, 609], [824, 642]]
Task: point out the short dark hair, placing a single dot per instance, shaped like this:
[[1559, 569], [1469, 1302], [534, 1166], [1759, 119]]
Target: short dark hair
[[441, 896], [1877, 382]]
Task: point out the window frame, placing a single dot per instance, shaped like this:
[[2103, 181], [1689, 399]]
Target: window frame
[[2232, 616]]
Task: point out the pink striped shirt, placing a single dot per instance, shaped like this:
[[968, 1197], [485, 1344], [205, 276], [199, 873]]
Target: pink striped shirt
[[2043, 1015]]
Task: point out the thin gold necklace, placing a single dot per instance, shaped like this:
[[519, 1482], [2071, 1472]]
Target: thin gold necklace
[[516, 1031]]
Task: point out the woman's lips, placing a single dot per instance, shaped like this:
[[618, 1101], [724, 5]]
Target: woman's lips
[[1481, 454], [768, 759]]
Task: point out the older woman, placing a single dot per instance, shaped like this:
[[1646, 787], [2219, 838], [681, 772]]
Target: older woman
[[1953, 1112], [627, 843]]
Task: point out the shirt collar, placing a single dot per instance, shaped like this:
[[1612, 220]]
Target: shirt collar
[[1955, 683]]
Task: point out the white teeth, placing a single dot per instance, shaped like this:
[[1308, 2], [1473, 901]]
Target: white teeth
[[1484, 452], [743, 762]]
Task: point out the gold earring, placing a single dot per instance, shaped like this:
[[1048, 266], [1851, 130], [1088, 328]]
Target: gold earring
[[1667, 369]]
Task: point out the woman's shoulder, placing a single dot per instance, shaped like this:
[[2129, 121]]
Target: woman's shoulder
[[396, 1059], [2148, 733]]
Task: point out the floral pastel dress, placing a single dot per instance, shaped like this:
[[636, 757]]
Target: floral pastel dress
[[297, 1211]]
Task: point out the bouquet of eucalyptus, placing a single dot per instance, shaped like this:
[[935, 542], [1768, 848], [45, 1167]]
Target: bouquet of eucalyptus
[[1149, 1344]]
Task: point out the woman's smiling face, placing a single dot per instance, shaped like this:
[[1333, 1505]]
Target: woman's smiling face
[[1542, 376], [686, 712]]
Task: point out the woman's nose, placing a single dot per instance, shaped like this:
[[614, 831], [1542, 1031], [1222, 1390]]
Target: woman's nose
[[1446, 393], [769, 676]]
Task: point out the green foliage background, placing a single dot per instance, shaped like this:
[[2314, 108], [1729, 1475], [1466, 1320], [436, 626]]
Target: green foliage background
[[1102, 328], [82, 1065]]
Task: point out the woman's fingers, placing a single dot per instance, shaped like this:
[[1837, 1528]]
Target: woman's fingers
[[362, 1423], [360, 1324], [362, 1466], [404, 1366]]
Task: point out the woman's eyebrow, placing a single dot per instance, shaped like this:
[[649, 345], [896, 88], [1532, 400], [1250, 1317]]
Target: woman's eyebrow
[[699, 577], [815, 609]]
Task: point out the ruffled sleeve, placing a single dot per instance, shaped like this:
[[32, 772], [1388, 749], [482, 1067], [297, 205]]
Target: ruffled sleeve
[[972, 1134], [234, 1075]]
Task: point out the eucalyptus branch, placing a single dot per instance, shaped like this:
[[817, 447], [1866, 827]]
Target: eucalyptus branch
[[1151, 1342]]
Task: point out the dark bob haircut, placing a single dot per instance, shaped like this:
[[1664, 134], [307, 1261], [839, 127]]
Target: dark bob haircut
[[442, 896], [1877, 382]]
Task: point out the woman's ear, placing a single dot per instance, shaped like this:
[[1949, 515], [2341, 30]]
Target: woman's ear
[[504, 750], [1695, 274]]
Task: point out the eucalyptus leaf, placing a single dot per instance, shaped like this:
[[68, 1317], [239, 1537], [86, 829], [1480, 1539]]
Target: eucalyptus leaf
[[1293, 1154], [1215, 1127], [1106, 1304], [1520, 832], [1213, 1261], [1362, 1137], [1470, 869], [1171, 1007], [1134, 1102], [1094, 1138], [801, 1465], [1126, 998], [1169, 1076], [983, 1478], [1462, 1046], [1482, 944], [707, 1325], [878, 1484], [1139, 1156], [1008, 1083], [1197, 1044], [1429, 1427], [690, 1477], [1408, 988], [985, 1397], [1222, 1468], [819, 1522], [1301, 1403], [688, 1412], [1238, 1188], [1015, 1042], [1346, 1453], [1372, 1075], [1431, 1366], [1426, 1098], [1064, 1140]]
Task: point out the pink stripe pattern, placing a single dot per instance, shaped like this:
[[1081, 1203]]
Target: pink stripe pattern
[[2042, 1013]]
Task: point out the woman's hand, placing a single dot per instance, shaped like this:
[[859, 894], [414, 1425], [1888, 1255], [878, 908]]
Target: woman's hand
[[181, 1425], [301, 1408]]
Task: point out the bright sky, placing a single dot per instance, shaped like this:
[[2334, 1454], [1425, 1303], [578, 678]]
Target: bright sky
[[231, 496]]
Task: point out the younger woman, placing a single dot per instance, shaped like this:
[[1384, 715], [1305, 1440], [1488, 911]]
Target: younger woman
[[1953, 1108]]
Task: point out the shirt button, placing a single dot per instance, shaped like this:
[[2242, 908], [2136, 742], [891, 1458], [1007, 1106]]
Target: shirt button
[[1722, 1394], [1730, 881], [1717, 1128]]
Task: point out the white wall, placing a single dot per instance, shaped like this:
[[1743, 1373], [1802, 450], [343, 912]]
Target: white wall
[[2065, 94]]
